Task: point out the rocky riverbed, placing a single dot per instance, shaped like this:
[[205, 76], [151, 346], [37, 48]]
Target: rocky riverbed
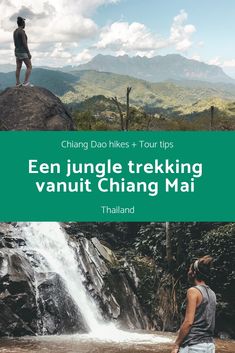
[[84, 344]]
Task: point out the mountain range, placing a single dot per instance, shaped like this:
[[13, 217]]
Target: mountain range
[[182, 93], [56, 81], [156, 69], [76, 86]]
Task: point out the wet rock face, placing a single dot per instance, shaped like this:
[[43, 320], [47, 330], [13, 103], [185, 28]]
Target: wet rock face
[[32, 108], [109, 284], [17, 296], [58, 313], [32, 303], [131, 313]]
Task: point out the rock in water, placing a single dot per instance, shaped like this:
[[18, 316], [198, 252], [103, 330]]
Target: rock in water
[[58, 312], [32, 108], [32, 302], [17, 294]]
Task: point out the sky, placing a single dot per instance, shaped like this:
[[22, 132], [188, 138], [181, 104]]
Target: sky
[[72, 32]]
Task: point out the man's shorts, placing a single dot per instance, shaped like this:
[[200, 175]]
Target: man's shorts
[[199, 348], [21, 56]]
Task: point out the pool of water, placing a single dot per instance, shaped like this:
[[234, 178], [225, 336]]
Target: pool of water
[[124, 343]]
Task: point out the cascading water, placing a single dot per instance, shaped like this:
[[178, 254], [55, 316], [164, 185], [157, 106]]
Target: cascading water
[[49, 240]]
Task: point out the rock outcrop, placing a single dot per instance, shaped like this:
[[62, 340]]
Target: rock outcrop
[[57, 311], [32, 302], [36, 301], [32, 108], [110, 284], [17, 299]]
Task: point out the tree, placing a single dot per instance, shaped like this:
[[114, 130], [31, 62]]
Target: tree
[[212, 117], [124, 125], [128, 91], [169, 256], [115, 100]]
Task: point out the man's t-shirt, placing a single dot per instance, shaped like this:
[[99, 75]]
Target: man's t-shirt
[[19, 39]]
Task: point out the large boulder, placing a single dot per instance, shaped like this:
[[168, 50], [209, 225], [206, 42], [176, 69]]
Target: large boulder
[[57, 311], [17, 294], [32, 302], [32, 108], [109, 283]]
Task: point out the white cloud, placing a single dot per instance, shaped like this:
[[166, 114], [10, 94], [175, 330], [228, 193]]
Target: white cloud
[[229, 63], [122, 36], [82, 57], [148, 54], [59, 55], [55, 28], [120, 53], [196, 57], [136, 38], [59, 52], [7, 53], [180, 33], [215, 61], [54, 20]]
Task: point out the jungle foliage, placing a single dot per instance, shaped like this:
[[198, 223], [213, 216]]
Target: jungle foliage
[[190, 241]]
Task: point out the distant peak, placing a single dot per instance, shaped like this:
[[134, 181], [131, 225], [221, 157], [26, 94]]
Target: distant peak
[[158, 68]]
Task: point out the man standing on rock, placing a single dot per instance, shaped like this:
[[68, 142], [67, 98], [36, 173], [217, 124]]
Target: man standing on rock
[[22, 53]]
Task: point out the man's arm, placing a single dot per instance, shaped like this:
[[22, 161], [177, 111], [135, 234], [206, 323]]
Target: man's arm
[[192, 300]]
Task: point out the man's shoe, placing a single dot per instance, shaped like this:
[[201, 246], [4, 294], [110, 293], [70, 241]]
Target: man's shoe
[[27, 84], [18, 84]]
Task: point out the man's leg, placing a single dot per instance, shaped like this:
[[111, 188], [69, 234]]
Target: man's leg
[[18, 69], [28, 69]]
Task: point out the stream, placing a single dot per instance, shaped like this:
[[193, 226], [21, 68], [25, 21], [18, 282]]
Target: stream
[[130, 343]]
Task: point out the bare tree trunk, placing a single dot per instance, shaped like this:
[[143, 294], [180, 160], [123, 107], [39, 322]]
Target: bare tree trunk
[[128, 91], [150, 119], [115, 100], [89, 122], [169, 256], [212, 117]]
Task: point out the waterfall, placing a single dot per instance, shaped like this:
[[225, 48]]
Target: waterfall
[[49, 240]]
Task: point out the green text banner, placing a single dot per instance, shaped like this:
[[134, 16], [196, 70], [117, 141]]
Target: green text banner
[[117, 176]]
